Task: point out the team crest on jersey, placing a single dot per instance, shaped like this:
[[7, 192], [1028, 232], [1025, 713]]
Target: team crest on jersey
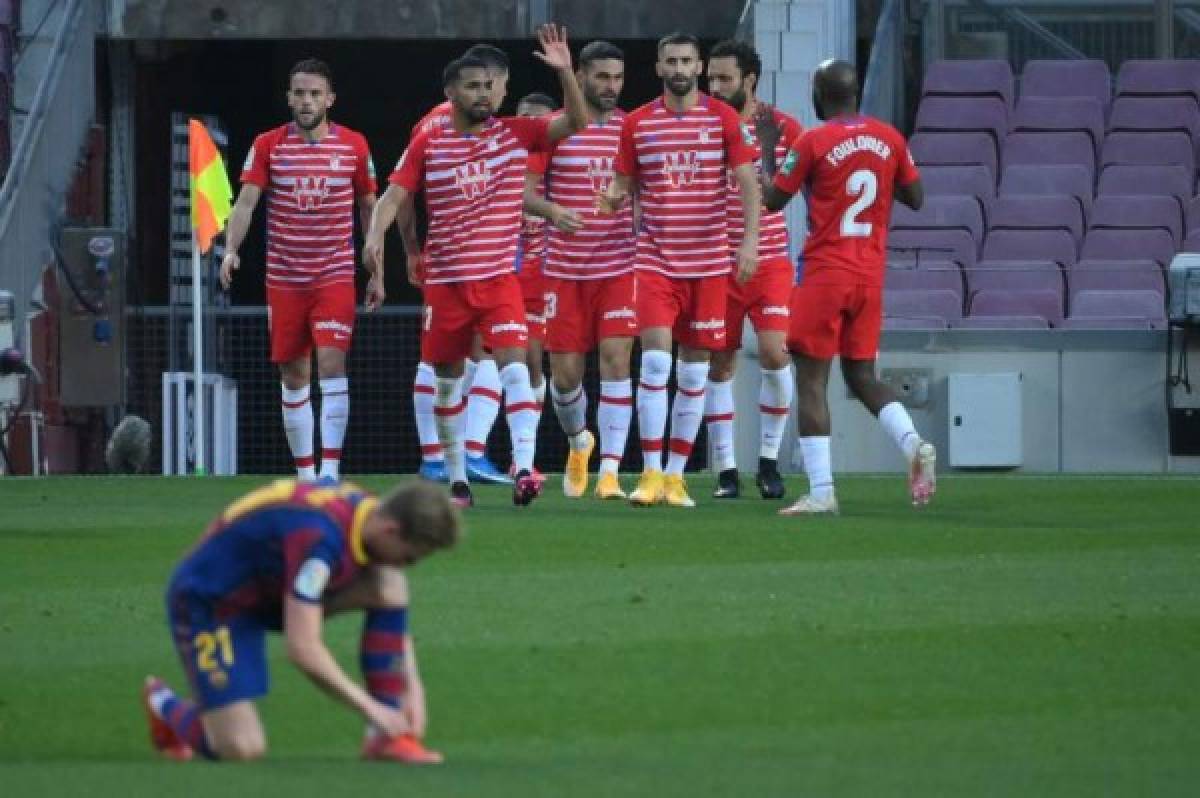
[[703, 136], [600, 170], [335, 163], [310, 191], [681, 167], [472, 179]]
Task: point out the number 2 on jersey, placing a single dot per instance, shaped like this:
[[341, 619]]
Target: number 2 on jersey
[[864, 185]]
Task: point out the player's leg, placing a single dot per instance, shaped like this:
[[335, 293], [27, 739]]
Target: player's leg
[[291, 351], [433, 462], [568, 338], [659, 304], [770, 315], [484, 393], [448, 327], [614, 412], [331, 325], [718, 395]]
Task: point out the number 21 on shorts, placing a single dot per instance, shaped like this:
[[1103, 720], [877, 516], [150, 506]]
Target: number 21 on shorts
[[211, 647]]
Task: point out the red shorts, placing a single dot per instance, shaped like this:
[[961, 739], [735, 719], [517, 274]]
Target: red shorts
[[454, 312], [533, 291], [694, 308], [836, 319], [301, 318], [764, 299], [582, 313]]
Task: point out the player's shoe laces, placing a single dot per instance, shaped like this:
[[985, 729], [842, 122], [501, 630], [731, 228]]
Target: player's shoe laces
[[769, 480], [575, 478], [460, 495], [481, 469], [649, 490], [526, 488], [162, 737], [609, 487], [675, 491], [811, 505], [404, 748], [922, 474], [728, 485], [434, 471]]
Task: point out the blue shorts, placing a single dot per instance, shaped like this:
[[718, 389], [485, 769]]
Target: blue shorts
[[225, 659]]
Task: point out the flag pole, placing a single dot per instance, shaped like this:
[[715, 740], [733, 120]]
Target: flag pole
[[198, 357]]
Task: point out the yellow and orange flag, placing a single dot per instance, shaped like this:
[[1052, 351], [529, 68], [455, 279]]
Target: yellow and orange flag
[[212, 196]]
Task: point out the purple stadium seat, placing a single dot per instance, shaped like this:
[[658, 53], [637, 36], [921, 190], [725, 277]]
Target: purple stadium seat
[[1147, 180], [977, 78], [1138, 213], [1003, 323], [1067, 78], [1015, 275], [944, 275], [955, 149], [971, 181], [1053, 149], [1024, 212], [1155, 245], [1070, 181], [1134, 308], [1061, 115], [1193, 214], [942, 212], [1115, 275], [1192, 242], [1026, 245], [931, 246], [943, 305], [1046, 305], [1148, 148], [963, 115], [1156, 114], [1159, 78]]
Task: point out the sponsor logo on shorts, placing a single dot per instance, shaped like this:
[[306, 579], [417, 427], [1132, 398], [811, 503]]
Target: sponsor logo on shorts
[[708, 324], [533, 318], [509, 326], [338, 329], [620, 313], [774, 310]]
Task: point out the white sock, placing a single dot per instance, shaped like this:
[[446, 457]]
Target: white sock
[[424, 388], [159, 697], [652, 406], [483, 405], [539, 394], [898, 423], [817, 465], [521, 411], [448, 408], [774, 400], [686, 413], [335, 415], [571, 409], [614, 412], [469, 367], [298, 425], [718, 415]]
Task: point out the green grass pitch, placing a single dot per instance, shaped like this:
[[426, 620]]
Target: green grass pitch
[[1020, 636]]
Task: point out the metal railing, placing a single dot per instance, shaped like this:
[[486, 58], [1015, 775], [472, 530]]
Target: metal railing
[[43, 162]]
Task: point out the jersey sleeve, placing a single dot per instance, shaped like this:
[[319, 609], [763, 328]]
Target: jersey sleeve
[[739, 143], [906, 171], [789, 130], [532, 132], [793, 172], [538, 163], [626, 161], [410, 169], [311, 553], [257, 169], [364, 173]]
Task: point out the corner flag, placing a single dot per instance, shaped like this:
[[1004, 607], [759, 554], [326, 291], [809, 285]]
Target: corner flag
[[211, 193]]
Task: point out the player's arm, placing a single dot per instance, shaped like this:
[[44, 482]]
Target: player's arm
[[751, 198], [912, 195], [775, 198], [907, 186], [611, 199], [556, 54], [389, 206], [235, 233], [414, 700], [375, 286], [563, 218]]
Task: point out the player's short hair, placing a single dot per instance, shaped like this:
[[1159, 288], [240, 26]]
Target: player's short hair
[[678, 37], [453, 71], [426, 516], [492, 57], [599, 50], [748, 60], [312, 66], [537, 98]]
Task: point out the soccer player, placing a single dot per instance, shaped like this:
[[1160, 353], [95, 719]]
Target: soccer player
[[481, 380], [733, 71], [589, 277], [313, 172], [851, 167], [282, 558], [678, 150], [473, 174]]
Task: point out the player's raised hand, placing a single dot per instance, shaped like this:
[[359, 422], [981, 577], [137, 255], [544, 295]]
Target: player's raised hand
[[555, 52], [375, 291], [747, 261], [566, 220], [229, 264], [768, 131]]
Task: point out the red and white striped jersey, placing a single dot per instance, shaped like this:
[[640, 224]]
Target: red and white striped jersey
[[311, 188], [438, 115], [533, 227], [580, 167], [772, 227], [474, 185], [680, 162]]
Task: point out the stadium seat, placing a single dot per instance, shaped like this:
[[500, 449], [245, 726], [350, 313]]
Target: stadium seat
[[1050, 149], [1156, 114], [1148, 148], [1016, 275], [1192, 214], [1068, 181], [1062, 115], [970, 78], [1045, 212], [942, 212], [1147, 180], [1047, 305], [1192, 242], [903, 323], [945, 306], [1155, 245], [929, 246], [1068, 78], [938, 275], [1125, 309], [955, 149], [1092, 274], [1003, 323], [971, 181], [1138, 213], [1038, 245], [964, 115], [1159, 78]]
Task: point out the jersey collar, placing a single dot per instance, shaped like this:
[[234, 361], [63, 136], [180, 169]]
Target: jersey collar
[[357, 549]]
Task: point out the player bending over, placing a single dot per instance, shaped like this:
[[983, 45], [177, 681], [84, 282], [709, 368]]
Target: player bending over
[[852, 166], [283, 558]]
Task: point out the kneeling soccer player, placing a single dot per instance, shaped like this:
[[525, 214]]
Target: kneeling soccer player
[[282, 558]]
